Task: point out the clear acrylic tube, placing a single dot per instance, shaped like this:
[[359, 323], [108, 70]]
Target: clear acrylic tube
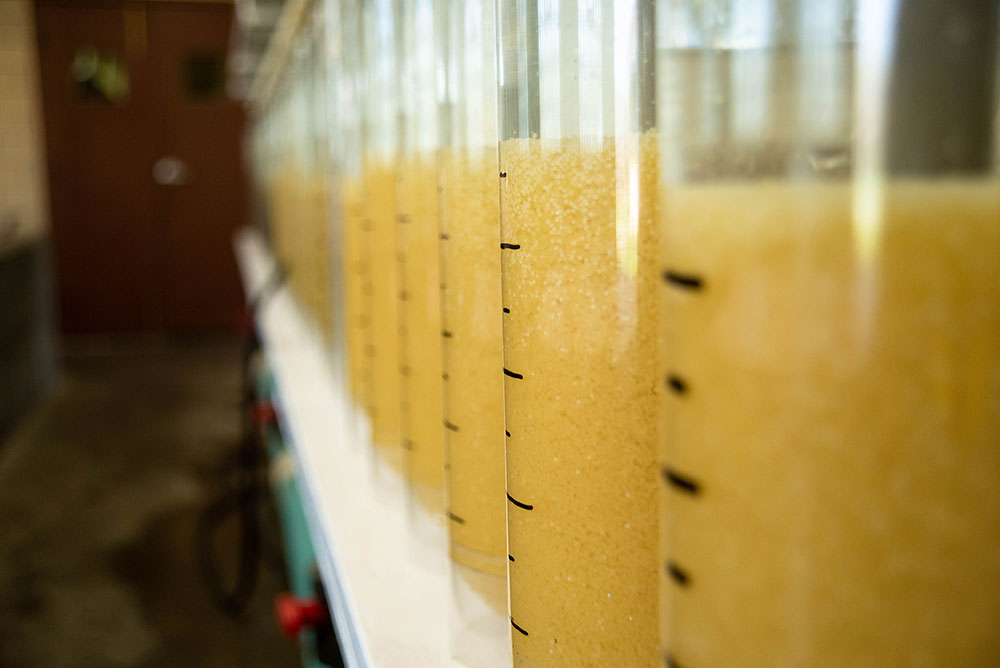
[[316, 248], [380, 158], [419, 258], [356, 266], [578, 178], [325, 107], [831, 309], [301, 221], [473, 347], [284, 187]]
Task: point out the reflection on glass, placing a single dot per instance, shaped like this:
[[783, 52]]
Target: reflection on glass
[[100, 75], [829, 313]]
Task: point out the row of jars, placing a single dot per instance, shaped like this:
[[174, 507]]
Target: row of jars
[[691, 308]]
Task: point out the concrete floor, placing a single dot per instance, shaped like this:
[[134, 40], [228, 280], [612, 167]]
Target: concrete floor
[[100, 490]]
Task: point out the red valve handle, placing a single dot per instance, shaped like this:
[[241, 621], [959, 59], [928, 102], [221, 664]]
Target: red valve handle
[[294, 613], [263, 413]]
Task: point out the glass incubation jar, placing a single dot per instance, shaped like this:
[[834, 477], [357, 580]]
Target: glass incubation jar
[[282, 187], [264, 159], [355, 275], [419, 258], [330, 71], [831, 310], [473, 343], [578, 179], [301, 214], [316, 247], [380, 155]]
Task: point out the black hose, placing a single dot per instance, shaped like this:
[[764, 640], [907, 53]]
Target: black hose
[[246, 489]]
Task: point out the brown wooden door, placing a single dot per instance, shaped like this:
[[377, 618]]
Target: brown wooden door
[[146, 178], [99, 154], [204, 129]]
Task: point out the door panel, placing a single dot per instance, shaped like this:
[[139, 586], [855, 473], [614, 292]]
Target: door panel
[[134, 254], [203, 128], [98, 158]]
